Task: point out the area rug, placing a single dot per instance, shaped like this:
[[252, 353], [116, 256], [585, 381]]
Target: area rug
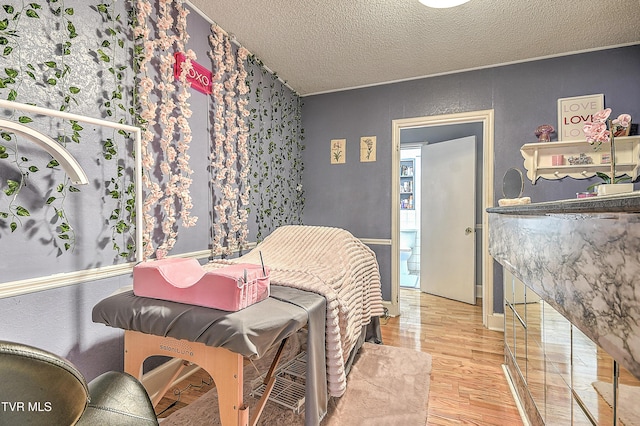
[[386, 386], [628, 398]]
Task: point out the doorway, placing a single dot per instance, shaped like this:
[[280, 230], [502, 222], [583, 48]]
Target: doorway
[[410, 213], [490, 319]]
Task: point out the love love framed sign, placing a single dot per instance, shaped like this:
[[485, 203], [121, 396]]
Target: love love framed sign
[[574, 112]]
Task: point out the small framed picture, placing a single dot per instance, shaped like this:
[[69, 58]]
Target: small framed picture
[[605, 158], [367, 149], [338, 151], [619, 131]]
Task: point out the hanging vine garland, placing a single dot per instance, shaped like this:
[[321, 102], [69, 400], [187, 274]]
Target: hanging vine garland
[[243, 151], [184, 113], [298, 165], [230, 191], [113, 55], [276, 151], [217, 152], [10, 32], [229, 152], [53, 75], [172, 189], [260, 165], [167, 121]]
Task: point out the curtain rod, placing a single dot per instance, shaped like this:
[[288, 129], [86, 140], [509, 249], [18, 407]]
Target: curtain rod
[[235, 41]]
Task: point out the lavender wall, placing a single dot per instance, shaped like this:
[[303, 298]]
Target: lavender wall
[[357, 196], [59, 320]]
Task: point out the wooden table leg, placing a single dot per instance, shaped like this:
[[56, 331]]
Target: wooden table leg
[[269, 382], [224, 366]]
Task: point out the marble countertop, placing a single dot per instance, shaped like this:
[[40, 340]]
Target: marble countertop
[[582, 258], [620, 203]]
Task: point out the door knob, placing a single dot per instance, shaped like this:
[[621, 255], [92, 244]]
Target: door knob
[[468, 231]]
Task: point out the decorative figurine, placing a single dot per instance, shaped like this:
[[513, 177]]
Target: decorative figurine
[[580, 160], [544, 131]]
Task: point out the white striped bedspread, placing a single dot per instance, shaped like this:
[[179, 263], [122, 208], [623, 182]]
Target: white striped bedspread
[[333, 263]]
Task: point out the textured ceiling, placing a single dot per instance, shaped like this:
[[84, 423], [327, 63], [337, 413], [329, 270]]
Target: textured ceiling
[[328, 45]]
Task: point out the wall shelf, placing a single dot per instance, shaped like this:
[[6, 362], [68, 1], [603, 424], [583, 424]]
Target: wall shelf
[[407, 184], [538, 159]]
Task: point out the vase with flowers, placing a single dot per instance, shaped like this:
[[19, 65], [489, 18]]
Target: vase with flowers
[[603, 130]]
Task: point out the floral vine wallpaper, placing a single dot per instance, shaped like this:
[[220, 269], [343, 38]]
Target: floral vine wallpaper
[[229, 148], [264, 118], [49, 61], [114, 60], [277, 141], [163, 117]]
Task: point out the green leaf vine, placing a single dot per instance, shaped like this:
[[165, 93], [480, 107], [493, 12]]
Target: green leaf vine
[[112, 54], [53, 73], [15, 212], [276, 149], [56, 73], [48, 73]]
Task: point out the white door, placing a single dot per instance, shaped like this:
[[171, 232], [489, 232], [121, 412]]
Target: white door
[[447, 225]]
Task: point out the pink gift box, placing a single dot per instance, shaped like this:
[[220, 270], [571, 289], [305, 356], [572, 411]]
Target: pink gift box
[[229, 288], [557, 160]]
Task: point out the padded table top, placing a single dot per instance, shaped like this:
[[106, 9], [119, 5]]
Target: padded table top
[[249, 332]]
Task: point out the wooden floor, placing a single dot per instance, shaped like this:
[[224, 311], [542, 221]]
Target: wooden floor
[[468, 386]]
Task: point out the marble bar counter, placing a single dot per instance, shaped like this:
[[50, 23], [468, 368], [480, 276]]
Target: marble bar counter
[[581, 256]]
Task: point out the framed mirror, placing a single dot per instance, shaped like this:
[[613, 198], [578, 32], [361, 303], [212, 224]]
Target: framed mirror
[[512, 183]]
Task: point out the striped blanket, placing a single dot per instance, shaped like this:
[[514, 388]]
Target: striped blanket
[[335, 264]]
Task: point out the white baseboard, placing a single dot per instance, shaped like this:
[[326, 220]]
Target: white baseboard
[[392, 309], [516, 399], [495, 322], [478, 291]]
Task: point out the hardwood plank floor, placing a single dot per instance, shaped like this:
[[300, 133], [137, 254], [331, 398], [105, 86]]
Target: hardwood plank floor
[[467, 382]]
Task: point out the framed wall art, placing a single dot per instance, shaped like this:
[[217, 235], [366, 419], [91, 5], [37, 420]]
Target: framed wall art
[[574, 112], [338, 151], [367, 149]]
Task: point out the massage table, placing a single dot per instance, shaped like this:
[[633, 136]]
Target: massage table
[[218, 341], [321, 277]]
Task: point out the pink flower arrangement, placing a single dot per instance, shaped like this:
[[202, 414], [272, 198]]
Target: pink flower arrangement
[[602, 130], [597, 130]]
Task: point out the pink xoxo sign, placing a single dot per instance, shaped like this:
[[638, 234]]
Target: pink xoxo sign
[[199, 77]]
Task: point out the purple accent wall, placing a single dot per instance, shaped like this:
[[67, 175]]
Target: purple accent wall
[[357, 196]]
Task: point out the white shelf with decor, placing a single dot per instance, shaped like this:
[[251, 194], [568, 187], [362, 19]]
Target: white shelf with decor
[[539, 159], [407, 185]]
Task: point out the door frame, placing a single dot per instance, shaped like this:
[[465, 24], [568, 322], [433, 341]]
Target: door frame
[[490, 319]]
